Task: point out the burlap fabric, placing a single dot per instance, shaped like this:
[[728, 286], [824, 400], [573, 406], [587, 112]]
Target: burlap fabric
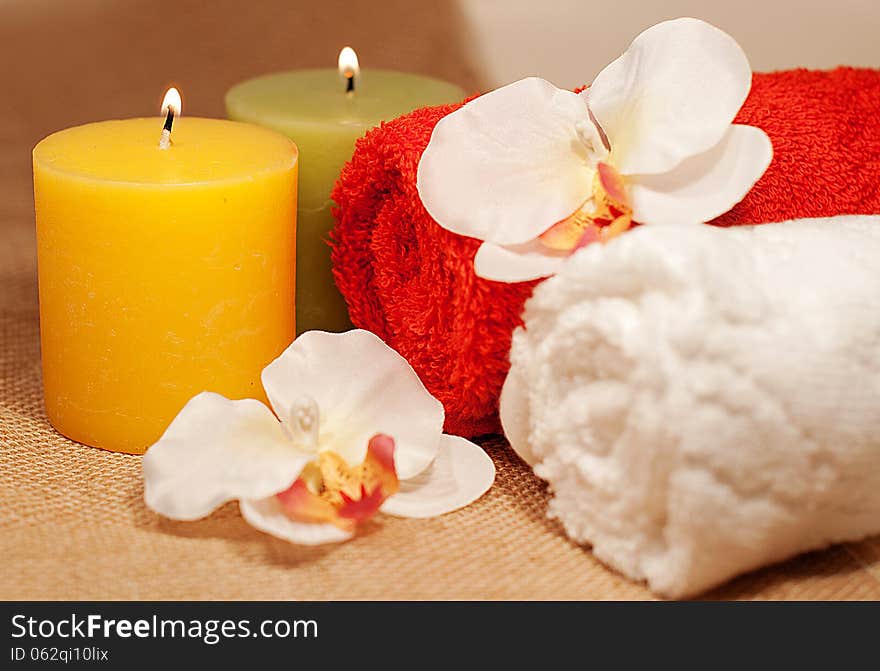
[[72, 521]]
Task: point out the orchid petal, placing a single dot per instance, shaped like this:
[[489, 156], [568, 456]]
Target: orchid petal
[[217, 450], [568, 233], [612, 230], [612, 183], [517, 263], [268, 516], [331, 491], [461, 473], [514, 412], [301, 504], [704, 186], [671, 95], [511, 163], [362, 388], [591, 234], [378, 470]]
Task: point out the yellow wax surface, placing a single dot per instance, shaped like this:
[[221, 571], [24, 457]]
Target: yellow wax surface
[[162, 272], [312, 108]]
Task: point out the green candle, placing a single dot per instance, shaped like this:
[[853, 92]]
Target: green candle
[[324, 113]]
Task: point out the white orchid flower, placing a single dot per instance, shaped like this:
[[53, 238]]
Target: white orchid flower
[[536, 172], [350, 418]]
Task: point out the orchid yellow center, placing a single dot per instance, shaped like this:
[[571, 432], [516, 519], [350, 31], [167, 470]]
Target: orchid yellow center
[[609, 216], [329, 490]]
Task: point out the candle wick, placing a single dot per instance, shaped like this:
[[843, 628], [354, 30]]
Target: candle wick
[[165, 138], [349, 82]]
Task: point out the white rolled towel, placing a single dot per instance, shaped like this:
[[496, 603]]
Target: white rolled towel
[[705, 401]]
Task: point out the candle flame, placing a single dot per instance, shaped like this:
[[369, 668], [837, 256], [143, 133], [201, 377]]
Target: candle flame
[[349, 68], [172, 100]]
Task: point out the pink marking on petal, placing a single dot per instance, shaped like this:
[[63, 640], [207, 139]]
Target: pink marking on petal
[[381, 448], [301, 504], [613, 184], [378, 466], [591, 235], [294, 495], [341, 494], [564, 235], [358, 510]]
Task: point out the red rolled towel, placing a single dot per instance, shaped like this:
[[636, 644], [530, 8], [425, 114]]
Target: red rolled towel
[[411, 282]]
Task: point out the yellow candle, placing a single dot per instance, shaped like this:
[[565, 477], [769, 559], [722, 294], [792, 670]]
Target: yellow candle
[[163, 272]]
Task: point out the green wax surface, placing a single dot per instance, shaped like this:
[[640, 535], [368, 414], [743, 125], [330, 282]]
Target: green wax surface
[[312, 108]]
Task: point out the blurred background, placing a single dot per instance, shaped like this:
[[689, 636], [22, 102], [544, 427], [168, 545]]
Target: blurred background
[[71, 61], [569, 41], [67, 62]]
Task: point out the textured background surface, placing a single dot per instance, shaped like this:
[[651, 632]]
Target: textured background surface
[[72, 521]]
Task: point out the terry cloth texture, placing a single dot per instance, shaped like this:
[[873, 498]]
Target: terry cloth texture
[[703, 401], [412, 282]]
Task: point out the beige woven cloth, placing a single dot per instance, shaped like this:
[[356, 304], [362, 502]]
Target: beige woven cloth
[[72, 521]]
